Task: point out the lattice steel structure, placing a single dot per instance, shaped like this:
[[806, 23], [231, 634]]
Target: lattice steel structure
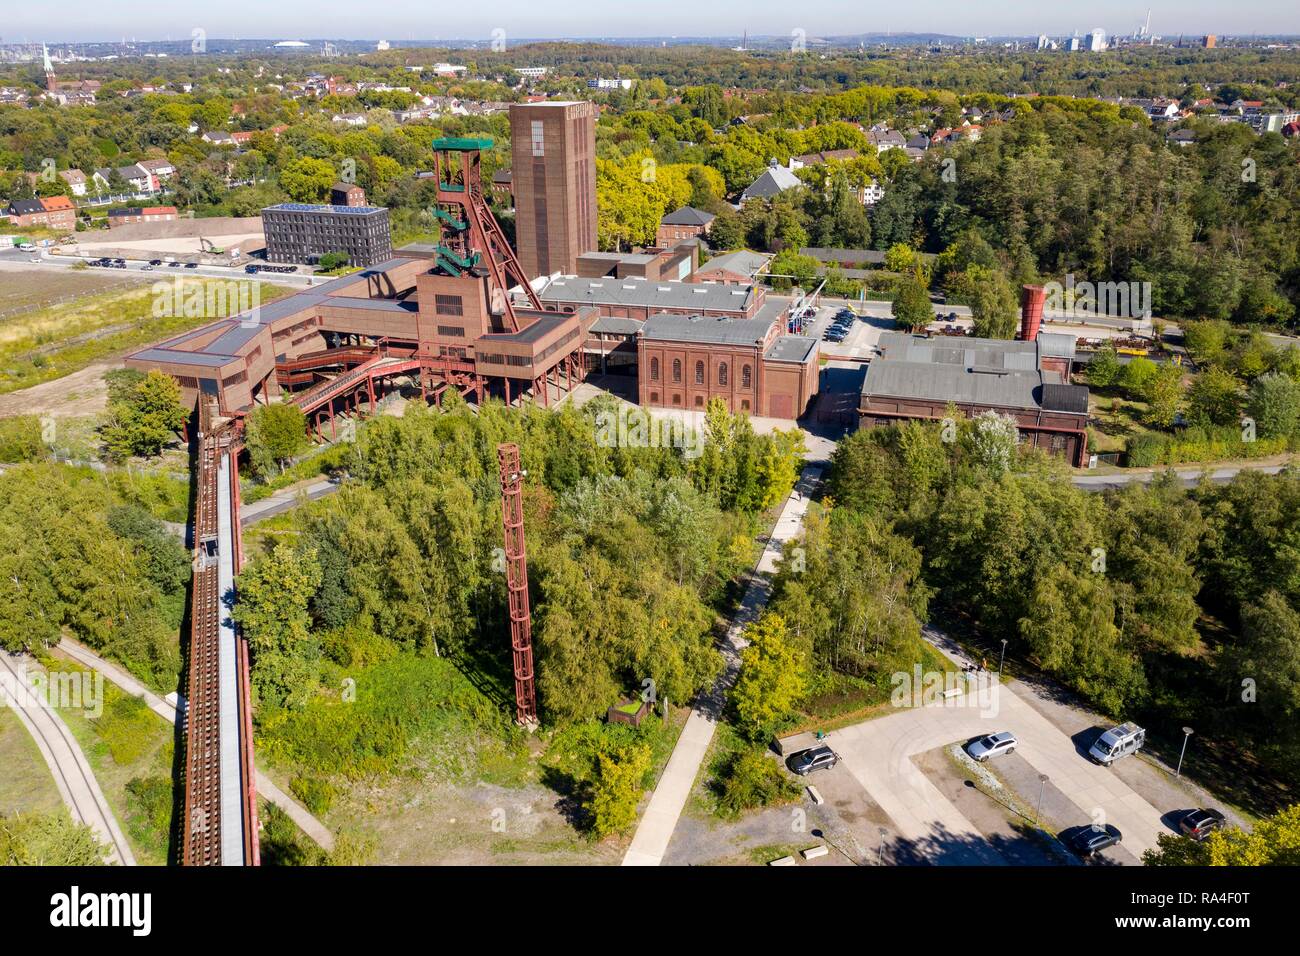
[[521, 619]]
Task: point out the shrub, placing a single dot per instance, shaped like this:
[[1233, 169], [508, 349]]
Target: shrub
[[751, 780], [20, 439], [317, 795]]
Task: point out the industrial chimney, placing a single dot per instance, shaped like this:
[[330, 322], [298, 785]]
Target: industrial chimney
[[1031, 311]]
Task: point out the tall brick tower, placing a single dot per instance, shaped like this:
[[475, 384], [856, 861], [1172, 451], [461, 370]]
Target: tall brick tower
[[554, 172]]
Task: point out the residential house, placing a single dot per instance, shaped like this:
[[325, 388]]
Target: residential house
[[160, 169], [122, 217], [218, 137], [55, 212], [774, 180], [684, 223], [350, 119], [75, 179], [886, 139]]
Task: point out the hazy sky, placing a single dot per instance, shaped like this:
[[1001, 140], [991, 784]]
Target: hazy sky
[[432, 19]]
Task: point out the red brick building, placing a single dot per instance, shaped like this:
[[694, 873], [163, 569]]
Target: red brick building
[[54, 212], [553, 173], [685, 223], [684, 361]]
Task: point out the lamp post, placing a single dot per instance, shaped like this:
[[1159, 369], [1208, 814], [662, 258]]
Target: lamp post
[[1187, 733], [880, 855], [1042, 785], [1003, 659]]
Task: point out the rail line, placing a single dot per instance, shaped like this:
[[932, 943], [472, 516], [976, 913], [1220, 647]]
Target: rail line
[[219, 825]]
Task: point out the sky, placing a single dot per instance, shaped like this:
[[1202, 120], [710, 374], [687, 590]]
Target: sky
[[81, 20]]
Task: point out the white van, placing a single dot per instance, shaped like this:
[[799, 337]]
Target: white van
[[1117, 742]]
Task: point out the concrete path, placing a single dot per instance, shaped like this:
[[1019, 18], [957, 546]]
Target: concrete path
[[1188, 476], [656, 826], [167, 710], [879, 753], [72, 774]]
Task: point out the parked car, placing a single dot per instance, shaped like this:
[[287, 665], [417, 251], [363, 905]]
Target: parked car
[[1117, 742], [155, 262], [993, 745], [815, 758], [1089, 841], [146, 268], [36, 258], [191, 265], [1199, 824]]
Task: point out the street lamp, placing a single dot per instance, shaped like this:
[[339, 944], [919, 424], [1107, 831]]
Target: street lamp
[[880, 856], [1187, 733], [1042, 785], [1002, 660]]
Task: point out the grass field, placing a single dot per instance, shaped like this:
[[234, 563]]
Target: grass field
[[39, 288], [129, 748], [47, 343], [26, 784]]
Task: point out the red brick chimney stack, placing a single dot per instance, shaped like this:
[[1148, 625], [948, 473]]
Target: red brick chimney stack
[[1032, 298]]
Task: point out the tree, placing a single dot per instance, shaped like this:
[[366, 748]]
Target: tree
[[272, 608], [1273, 402], [993, 306], [145, 417], [772, 680], [308, 179], [911, 308], [620, 780], [275, 435], [48, 839], [1104, 370], [1272, 841], [1214, 398], [1164, 392], [992, 439]]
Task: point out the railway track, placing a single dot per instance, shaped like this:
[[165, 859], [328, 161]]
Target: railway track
[[219, 821]]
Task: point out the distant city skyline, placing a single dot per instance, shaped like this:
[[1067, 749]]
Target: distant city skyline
[[405, 20]]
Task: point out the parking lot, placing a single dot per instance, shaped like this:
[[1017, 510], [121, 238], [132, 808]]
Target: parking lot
[[940, 812]]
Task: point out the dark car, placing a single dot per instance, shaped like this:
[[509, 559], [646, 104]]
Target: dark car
[[191, 265], [815, 758], [1199, 824], [1094, 839], [155, 262]]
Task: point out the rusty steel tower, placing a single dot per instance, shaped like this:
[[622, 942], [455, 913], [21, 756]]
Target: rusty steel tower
[[521, 618]]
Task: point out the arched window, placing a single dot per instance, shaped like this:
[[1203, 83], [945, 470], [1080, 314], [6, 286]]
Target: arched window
[[654, 370], [746, 377], [677, 370], [699, 373], [722, 374]]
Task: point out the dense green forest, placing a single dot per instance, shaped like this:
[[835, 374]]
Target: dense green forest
[[1158, 602]]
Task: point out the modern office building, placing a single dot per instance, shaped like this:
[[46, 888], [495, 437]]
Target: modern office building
[[300, 232], [554, 179]]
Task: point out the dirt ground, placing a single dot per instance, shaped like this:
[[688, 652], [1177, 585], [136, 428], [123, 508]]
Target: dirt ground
[[412, 823], [76, 395], [848, 822]]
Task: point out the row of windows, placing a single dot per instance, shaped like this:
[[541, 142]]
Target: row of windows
[[699, 401], [746, 374], [451, 331]]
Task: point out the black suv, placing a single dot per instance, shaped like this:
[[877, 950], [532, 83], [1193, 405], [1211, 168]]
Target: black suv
[[815, 758], [1094, 839], [1199, 824]]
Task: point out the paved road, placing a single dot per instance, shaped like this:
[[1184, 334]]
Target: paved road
[[13, 259], [1188, 476], [72, 774], [879, 753], [167, 710], [657, 824]]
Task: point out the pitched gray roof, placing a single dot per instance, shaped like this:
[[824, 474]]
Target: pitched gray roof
[[774, 180], [688, 216], [712, 329], [704, 297], [742, 262]]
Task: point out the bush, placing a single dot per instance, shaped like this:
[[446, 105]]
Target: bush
[[21, 440], [128, 727], [751, 780], [317, 795]]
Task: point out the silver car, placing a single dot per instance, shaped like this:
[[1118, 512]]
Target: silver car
[[994, 745]]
